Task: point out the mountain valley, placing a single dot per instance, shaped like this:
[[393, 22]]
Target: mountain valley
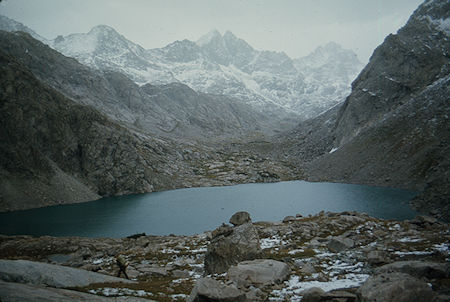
[[92, 115], [222, 124]]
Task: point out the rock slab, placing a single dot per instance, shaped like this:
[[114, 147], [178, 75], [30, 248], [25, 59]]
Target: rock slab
[[208, 289], [259, 272], [394, 287], [37, 273], [16, 292]]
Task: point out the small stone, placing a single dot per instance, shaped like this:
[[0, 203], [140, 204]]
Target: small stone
[[289, 219], [308, 269], [313, 243], [155, 271], [239, 218], [313, 294], [180, 273], [377, 257], [223, 230]]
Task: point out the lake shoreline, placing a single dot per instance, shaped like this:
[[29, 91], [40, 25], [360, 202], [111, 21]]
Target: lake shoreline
[[193, 210], [168, 267]]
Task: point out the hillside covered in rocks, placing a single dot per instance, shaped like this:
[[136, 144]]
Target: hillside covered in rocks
[[327, 257]]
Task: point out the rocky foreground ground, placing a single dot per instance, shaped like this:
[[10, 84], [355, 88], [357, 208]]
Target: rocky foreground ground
[[327, 257]]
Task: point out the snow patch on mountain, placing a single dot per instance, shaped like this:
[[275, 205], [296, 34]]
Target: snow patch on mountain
[[224, 65]]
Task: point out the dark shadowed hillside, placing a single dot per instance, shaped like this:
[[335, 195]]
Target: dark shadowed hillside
[[393, 129]]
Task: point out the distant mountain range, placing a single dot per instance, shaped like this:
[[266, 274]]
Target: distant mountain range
[[219, 64]]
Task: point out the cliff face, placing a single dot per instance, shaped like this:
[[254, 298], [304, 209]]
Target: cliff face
[[56, 151], [400, 68], [393, 129]]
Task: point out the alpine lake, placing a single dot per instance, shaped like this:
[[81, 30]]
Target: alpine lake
[[196, 210]]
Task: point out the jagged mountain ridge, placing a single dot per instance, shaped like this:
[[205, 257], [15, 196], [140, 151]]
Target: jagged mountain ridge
[[393, 129], [219, 64], [169, 110]]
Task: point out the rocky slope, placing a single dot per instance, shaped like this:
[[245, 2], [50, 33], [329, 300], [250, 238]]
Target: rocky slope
[[220, 64], [55, 151], [169, 110], [393, 129], [327, 257]]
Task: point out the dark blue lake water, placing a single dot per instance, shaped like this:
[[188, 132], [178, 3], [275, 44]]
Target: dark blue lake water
[[195, 210]]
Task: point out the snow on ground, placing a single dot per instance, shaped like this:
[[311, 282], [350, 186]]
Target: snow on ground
[[409, 239], [333, 150], [293, 287], [267, 243], [114, 292], [413, 253], [443, 247]]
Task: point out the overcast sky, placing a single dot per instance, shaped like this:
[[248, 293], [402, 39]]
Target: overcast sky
[[296, 27]]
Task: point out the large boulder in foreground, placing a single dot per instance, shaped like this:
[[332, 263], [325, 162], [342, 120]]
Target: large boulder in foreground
[[208, 289], [259, 272], [229, 249], [394, 287], [37, 273], [16, 292]]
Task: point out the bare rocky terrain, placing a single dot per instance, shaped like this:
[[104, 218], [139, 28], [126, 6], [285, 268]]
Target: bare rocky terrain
[[326, 257], [393, 129]]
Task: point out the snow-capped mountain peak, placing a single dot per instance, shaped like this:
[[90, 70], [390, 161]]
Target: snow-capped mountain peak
[[226, 65], [326, 54], [206, 39], [102, 29]]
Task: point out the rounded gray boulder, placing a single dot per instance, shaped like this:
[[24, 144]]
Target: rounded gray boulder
[[259, 272], [239, 218]]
